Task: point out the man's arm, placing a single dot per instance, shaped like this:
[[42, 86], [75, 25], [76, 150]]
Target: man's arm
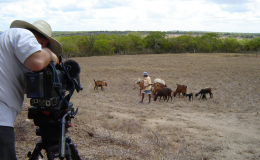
[[40, 59]]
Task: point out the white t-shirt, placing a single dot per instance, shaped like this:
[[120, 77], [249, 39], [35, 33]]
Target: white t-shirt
[[16, 44]]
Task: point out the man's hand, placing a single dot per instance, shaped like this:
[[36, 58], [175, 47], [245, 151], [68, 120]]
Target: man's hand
[[55, 59]]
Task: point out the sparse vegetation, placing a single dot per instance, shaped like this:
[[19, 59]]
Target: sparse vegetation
[[82, 44]]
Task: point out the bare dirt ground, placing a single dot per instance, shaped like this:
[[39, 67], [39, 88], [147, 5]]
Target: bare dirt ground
[[111, 124]]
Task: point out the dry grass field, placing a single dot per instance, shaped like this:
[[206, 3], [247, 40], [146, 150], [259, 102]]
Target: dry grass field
[[111, 124]]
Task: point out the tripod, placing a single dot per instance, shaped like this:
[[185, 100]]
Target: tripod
[[51, 110], [52, 150], [55, 144]]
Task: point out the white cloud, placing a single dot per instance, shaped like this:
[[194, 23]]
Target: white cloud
[[231, 2], [163, 15]]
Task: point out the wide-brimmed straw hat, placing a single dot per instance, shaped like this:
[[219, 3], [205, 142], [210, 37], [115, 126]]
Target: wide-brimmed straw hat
[[42, 27]]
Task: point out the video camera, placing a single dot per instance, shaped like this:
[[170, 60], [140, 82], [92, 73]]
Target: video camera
[[47, 86], [51, 108]]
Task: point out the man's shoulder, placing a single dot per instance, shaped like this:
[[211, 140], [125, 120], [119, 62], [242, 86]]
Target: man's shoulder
[[17, 31], [18, 34]]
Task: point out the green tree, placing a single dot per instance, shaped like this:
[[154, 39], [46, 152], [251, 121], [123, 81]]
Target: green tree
[[122, 43], [69, 46], [185, 43], [231, 45], [203, 46], [212, 39], [171, 44], [155, 40], [137, 43], [101, 46], [90, 42], [220, 46], [254, 44]]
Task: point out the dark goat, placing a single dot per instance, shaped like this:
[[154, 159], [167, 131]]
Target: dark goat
[[204, 92], [204, 96], [190, 96], [157, 87], [165, 93]]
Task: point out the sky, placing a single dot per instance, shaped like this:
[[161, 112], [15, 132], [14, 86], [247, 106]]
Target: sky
[[239, 16]]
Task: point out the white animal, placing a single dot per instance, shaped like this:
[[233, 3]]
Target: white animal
[[158, 80]]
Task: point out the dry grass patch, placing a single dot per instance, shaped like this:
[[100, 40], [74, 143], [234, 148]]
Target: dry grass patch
[[111, 124]]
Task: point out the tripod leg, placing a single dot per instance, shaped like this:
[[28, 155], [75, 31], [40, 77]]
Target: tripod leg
[[50, 155], [74, 151], [36, 152], [68, 152]]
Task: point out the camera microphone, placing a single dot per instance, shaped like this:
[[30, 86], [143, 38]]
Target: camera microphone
[[73, 68]]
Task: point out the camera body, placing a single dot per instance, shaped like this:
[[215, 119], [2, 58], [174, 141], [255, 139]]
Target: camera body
[[41, 88], [47, 89]]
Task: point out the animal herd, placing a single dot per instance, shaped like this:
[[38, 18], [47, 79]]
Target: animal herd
[[160, 90]]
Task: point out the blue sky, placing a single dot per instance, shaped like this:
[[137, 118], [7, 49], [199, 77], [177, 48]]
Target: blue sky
[[136, 15]]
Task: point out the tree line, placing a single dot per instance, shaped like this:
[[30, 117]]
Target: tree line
[[156, 42]]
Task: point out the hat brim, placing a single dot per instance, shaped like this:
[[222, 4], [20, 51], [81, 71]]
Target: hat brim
[[54, 46]]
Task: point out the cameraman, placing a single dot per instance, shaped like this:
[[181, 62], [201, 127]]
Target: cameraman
[[23, 47]]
